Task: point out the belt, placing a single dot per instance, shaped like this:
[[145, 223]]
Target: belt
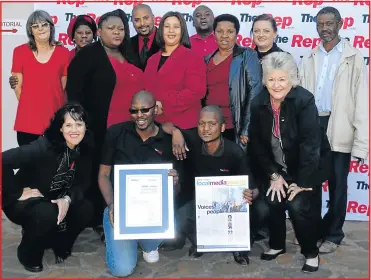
[[324, 114]]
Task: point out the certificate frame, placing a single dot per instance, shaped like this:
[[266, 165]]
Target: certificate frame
[[124, 232]]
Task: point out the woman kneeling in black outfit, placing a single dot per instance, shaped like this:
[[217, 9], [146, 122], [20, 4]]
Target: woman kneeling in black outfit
[[289, 147], [46, 195]]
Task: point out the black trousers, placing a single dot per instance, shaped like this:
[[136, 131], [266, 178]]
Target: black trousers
[[304, 211], [24, 138], [333, 221], [186, 219], [38, 217]]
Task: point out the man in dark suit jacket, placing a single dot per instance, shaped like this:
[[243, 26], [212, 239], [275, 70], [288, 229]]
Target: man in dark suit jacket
[[144, 43]]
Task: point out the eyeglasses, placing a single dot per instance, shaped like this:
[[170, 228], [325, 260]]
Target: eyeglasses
[[40, 25], [143, 110]]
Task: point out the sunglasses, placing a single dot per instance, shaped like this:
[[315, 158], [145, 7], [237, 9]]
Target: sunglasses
[[143, 110], [40, 25]]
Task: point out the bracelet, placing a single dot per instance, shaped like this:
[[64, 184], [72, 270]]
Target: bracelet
[[275, 176], [67, 198]]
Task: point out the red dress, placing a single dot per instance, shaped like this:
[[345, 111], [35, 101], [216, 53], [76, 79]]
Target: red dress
[[218, 88], [129, 80], [42, 93]]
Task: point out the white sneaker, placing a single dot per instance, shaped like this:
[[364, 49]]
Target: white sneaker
[[151, 257]]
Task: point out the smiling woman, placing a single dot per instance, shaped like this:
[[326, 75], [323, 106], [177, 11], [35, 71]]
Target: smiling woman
[[41, 57], [46, 195]]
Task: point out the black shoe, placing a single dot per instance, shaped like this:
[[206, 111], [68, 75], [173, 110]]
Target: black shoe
[[309, 269], [269, 257], [192, 252], [29, 266], [172, 245], [241, 258]]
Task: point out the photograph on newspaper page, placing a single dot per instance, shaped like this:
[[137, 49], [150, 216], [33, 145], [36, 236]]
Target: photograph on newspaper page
[[222, 214], [143, 202]]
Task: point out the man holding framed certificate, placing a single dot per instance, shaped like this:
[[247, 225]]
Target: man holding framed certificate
[[141, 141], [209, 154]]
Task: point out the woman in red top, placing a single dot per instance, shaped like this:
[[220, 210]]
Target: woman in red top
[[176, 75], [41, 69], [82, 30]]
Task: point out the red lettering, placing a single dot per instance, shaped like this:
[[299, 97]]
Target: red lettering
[[128, 3], [157, 21], [361, 3], [69, 2], [354, 207], [246, 3], [246, 42], [54, 19], [315, 4], [283, 21], [187, 3], [94, 16], [361, 42], [348, 22], [301, 42], [63, 38], [359, 168]]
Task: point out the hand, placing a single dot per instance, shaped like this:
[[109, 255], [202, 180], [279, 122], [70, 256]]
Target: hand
[[277, 188], [174, 174], [294, 189], [160, 109], [110, 213], [179, 145], [359, 160], [13, 81], [63, 206], [248, 195], [28, 193], [244, 139]]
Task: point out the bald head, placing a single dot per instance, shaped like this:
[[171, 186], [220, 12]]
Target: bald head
[[202, 8], [144, 97], [142, 7], [214, 109]]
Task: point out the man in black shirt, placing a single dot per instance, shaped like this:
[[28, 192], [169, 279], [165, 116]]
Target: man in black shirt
[[211, 155], [141, 141]]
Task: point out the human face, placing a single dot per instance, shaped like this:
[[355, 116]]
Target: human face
[[278, 84], [225, 35], [41, 31], [143, 21], [83, 36], [143, 113], [73, 131], [172, 31], [209, 127], [203, 19], [112, 32], [328, 28], [264, 35]]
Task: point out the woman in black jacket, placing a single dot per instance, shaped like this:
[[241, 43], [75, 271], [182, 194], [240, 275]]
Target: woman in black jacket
[[290, 150], [101, 72], [46, 195], [233, 78]]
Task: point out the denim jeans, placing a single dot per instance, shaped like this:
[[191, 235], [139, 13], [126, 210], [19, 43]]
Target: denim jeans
[[121, 255]]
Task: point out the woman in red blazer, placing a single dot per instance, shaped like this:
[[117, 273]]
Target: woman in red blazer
[[175, 75]]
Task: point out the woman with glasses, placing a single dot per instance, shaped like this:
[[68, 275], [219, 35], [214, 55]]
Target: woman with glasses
[[40, 67], [103, 77]]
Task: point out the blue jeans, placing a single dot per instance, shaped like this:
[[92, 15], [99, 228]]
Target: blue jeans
[[121, 255]]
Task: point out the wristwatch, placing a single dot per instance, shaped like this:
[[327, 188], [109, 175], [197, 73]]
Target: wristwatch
[[275, 176]]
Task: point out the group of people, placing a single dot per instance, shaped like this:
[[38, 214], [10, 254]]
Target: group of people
[[201, 102]]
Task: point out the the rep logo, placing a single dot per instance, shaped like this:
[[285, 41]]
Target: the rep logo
[[72, 3], [282, 22], [314, 4], [253, 4], [347, 21]]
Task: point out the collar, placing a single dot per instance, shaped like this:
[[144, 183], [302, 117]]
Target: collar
[[237, 50], [150, 37], [339, 46], [219, 151], [274, 48], [198, 36], [160, 135]]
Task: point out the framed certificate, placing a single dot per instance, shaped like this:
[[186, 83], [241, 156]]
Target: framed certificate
[[222, 214], [143, 202]]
